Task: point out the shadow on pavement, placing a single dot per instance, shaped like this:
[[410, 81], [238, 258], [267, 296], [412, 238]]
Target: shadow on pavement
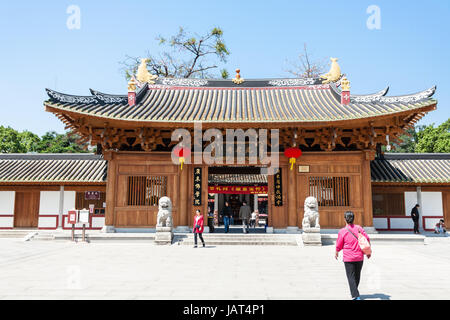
[[375, 296]]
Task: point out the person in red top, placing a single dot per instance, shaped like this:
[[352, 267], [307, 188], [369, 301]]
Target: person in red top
[[353, 256], [198, 227]]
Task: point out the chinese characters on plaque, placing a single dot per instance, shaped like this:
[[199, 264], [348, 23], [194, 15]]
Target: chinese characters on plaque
[[92, 195], [278, 189], [238, 189], [197, 186]]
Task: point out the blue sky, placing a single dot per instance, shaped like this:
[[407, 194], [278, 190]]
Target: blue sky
[[409, 53]]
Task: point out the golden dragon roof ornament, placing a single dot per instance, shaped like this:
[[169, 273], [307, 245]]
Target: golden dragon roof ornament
[[334, 74], [143, 75]]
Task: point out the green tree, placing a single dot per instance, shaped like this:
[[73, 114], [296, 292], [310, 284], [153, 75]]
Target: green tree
[[53, 142], [10, 141], [184, 56], [409, 142], [432, 139], [425, 139], [29, 141]]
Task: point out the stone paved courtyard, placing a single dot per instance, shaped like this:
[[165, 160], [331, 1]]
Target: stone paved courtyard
[[133, 270]]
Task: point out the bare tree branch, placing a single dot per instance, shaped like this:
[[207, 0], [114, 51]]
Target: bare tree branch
[[184, 56], [305, 67]]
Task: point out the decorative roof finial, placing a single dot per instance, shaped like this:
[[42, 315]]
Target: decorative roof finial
[[143, 75], [132, 92], [238, 79], [334, 74], [345, 94], [345, 84], [132, 85]]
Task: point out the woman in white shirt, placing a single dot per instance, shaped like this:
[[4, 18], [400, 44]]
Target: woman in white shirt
[[253, 218]]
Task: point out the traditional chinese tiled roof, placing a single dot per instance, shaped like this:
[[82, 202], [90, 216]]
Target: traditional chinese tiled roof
[[237, 179], [52, 168], [411, 168], [222, 101]]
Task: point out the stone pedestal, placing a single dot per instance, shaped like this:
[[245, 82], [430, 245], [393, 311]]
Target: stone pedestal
[[108, 229], [163, 235], [311, 237], [182, 229]]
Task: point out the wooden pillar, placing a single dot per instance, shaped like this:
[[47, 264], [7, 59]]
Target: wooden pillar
[[292, 197], [216, 202], [184, 191], [110, 189], [367, 218]]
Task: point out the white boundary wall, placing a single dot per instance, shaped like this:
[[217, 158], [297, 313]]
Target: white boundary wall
[[431, 207], [49, 207], [431, 203], [7, 199]]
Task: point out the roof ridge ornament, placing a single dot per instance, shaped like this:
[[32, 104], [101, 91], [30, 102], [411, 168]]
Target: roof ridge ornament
[[345, 84], [238, 79], [143, 76], [334, 74], [132, 85]]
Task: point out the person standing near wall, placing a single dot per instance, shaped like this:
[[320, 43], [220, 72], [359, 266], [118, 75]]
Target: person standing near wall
[[253, 219], [244, 214], [353, 256], [198, 227], [226, 214], [415, 217]]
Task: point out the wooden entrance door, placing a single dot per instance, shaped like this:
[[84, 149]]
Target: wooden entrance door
[[26, 210]]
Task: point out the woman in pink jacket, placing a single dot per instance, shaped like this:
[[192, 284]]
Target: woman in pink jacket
[[353, 256], [198, 227]]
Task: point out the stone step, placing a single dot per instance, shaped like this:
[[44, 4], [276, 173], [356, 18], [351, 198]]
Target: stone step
[[239, 239], [108, 237], [239, 242], [43, 237], [13, 233]]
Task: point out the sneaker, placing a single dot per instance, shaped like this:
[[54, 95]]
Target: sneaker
[[195, 246], [357, 298], [203, 245]]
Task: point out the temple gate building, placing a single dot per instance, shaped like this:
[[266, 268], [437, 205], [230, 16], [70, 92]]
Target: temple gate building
[[340, 136], [338, 133]]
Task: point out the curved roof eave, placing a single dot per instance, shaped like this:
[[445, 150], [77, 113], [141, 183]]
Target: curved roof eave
[[431, 105]]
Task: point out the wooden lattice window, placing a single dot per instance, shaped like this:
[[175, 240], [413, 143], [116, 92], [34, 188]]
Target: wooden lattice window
[[146, 190], [330, 191], [388, 204]]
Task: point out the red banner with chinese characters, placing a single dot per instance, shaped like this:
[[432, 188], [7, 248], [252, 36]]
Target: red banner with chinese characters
[[238, 189]]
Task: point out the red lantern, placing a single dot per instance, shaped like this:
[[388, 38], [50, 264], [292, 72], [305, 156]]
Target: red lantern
[[182, 153], [292, 154]]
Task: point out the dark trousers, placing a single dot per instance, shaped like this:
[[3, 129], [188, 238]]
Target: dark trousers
[[195, 238], [245, 225], [353, 271], [226, 222], [416, 226]]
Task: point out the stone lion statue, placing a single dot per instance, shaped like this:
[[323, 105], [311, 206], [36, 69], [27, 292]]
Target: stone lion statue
[[311, 217], [164, 218]]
